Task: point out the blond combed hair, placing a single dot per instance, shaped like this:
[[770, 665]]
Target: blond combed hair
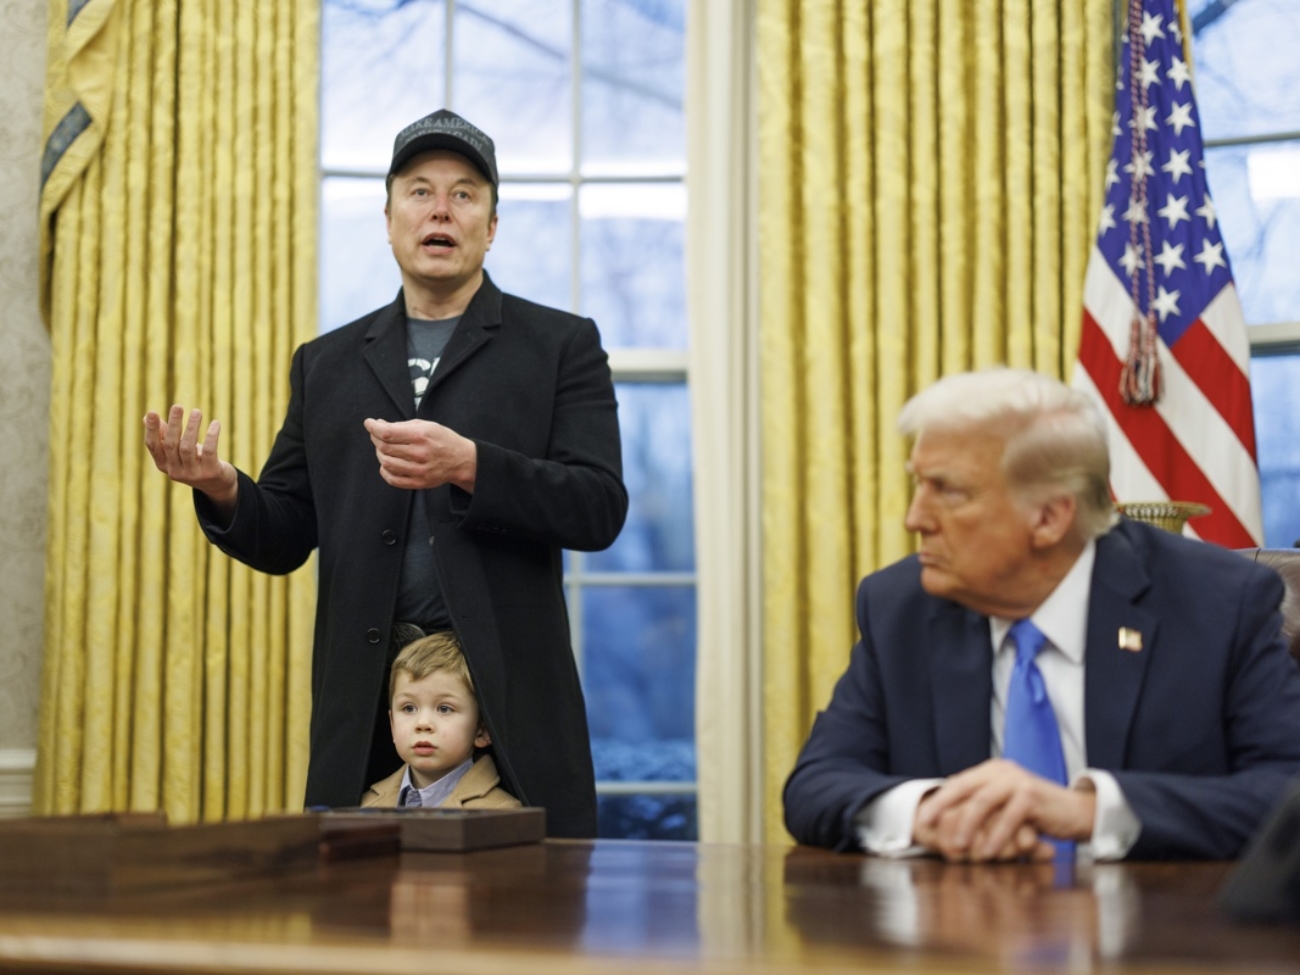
[[1055, 437], [429, 655]]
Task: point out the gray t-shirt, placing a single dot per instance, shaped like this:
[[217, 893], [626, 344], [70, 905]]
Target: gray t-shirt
[[419, 595]]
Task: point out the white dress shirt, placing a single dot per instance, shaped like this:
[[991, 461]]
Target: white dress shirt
[[885, 823]]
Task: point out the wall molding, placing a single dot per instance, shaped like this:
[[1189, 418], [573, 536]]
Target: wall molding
[[16, 766]]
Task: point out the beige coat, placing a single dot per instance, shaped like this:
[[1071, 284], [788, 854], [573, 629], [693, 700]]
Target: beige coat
[[479, 788]]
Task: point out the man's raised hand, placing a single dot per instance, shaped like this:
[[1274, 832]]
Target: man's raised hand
[[176, 452]]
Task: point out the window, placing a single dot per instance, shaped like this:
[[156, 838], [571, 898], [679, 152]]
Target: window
[[584, 99], [1248, 95]]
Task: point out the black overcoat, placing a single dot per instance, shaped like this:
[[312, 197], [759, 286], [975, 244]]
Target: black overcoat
[[531, 386]]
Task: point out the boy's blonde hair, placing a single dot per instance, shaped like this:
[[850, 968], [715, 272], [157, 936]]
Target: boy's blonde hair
[[428, 655]]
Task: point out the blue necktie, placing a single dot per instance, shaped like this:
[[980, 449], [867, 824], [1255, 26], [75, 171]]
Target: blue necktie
[[1031, 737], [412, 797]]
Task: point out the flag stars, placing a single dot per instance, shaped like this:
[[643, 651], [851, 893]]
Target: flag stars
[[1112, 172], [1211, 256], [1132, 258], [1166, 302], [1170, 258], [1149, 73], [1181, 117], [1144, 118], [1107, 218], [1114, 124], [1136, 212], [1178, 165], [1151, 28], [1206, 211], [1140, 165], [1175, 209], [1179, 73]]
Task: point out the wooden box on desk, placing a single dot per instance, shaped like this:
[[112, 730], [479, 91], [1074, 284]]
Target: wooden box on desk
[[446, 830], [95, 855]]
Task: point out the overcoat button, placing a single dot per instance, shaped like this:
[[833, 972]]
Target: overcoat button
[[372, 635], [389, 537]]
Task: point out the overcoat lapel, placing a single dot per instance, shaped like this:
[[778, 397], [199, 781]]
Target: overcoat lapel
[[961, 676], [386, 350], [1115, 667], [386, 354], [482, 317]]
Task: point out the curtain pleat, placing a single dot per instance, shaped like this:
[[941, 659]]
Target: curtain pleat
[[180, 255], [929, 175]]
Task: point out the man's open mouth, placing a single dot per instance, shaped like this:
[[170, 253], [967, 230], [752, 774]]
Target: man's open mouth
[[438, 240]]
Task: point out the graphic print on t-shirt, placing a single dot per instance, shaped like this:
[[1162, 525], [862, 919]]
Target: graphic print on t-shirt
[[425, 341], [421, 373]]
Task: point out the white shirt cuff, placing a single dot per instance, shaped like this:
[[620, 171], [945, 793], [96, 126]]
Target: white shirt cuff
[[885, 823], [1115, 828]]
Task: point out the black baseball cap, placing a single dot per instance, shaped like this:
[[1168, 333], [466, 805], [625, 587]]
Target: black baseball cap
[[445, 129]]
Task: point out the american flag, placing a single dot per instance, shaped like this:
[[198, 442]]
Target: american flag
[[1164, 347]]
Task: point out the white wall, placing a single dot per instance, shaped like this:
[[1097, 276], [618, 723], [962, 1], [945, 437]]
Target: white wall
[[24, 396]]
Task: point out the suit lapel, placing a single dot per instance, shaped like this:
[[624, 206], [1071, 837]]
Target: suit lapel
[[961, 675], [386, 353], [1115, 665]]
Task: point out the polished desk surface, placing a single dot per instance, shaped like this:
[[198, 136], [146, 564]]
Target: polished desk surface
[[586, 907]]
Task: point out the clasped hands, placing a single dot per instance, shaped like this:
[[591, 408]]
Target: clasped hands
[[998, 811]]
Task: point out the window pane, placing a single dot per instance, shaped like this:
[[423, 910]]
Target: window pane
[[638, 675], [381, 69], [632, 93], [633, 277], [647, 817], [659, 536], [1275, 389], [1257, 197], [614, 251], [357, 270], [1247, 69], [513, 79], [532, 255]]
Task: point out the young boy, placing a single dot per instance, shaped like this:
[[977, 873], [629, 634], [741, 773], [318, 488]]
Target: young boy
[[436, 727]]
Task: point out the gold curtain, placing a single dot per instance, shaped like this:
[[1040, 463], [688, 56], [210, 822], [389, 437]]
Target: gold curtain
[[178, 264], [930, 176]]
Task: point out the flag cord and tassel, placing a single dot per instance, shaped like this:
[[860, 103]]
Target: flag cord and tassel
[[1140, 379]]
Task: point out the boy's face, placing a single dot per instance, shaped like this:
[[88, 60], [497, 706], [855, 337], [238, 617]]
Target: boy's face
[[435, 724]]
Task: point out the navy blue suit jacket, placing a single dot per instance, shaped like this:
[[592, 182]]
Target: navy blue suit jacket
[[1201, 727]]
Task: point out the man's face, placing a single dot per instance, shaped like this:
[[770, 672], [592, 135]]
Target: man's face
[[975, 537], [435, 724], [440, 221]]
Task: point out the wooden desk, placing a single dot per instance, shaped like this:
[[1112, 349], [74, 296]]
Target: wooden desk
[[631, 907]]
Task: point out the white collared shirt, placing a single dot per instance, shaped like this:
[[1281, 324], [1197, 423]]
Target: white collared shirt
[[436, 792], [885, 823]]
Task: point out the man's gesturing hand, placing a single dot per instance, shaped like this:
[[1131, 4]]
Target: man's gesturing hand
[[179, 455], [420, 454], [998, 811]]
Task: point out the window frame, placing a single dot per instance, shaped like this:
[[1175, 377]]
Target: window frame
[[1271, 338]]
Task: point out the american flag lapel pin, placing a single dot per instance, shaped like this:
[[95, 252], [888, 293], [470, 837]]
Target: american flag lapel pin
[[1130, 640]]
